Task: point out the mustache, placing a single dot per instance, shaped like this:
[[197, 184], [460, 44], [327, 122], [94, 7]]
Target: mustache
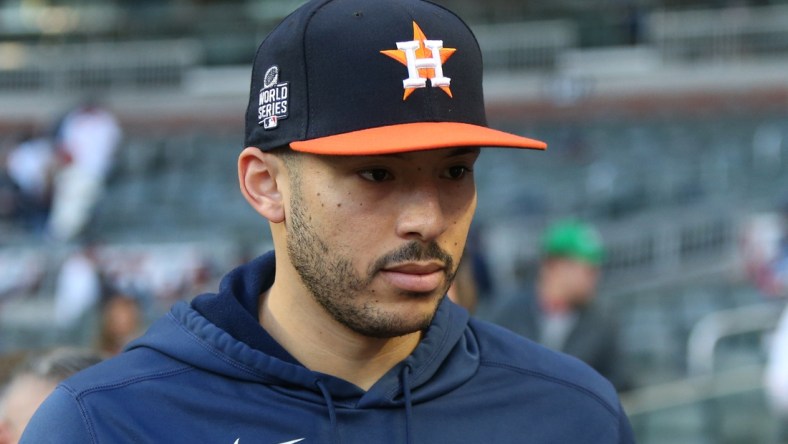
[[415, 251]]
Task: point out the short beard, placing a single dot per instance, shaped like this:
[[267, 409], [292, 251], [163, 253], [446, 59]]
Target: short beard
[[334, 284]]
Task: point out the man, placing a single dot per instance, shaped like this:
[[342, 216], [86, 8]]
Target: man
[[562, 314], [363, 127], [30, 166], [32, 383], [88, 139]]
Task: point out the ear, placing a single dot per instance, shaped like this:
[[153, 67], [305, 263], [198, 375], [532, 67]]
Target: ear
[[261, 176]]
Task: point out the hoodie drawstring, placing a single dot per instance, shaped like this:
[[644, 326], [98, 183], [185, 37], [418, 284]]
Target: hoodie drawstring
[[332, 413], [408, 403]]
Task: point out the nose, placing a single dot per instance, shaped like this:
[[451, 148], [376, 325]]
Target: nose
[[421, 215]]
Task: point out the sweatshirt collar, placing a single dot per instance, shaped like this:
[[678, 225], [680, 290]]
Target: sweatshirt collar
[[227, 322], [235, 309]]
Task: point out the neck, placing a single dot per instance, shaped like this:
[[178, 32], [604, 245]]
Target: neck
[[297, 322]]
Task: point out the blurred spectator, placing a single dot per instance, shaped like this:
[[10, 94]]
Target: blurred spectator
[[780, 263], [30, 166], [765, 252], [121, 321], [9, 192], [9, 363], [32, 383], [483, 284], [777, 374], [633, 23], [87, 141], [78, 287], [560, 312]]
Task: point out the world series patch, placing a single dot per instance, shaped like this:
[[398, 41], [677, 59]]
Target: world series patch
[[273, 100]]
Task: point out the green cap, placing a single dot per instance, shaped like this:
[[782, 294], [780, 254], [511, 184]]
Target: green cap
[[575, 240]]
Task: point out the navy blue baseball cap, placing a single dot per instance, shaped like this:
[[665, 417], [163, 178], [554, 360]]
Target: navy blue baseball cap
[[364, 77]]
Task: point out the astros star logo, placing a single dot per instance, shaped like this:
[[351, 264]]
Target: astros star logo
[[424, 59]]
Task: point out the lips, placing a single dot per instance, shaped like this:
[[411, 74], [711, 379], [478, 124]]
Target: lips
[[414, 277]]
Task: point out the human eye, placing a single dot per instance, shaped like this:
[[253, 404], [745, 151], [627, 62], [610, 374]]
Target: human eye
[[457, 172], [375, 174]]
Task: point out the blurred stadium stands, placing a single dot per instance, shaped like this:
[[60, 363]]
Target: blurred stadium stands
[[667, 123]]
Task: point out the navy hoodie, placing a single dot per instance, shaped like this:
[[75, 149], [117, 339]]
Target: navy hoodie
[[207, 372]]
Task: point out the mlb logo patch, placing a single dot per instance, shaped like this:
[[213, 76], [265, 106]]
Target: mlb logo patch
[[273, 103], [270, 122]]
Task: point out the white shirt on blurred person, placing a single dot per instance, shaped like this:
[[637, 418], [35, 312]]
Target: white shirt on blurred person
[[88, 140]]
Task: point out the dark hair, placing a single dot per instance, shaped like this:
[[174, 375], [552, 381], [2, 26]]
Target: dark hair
[[289, 156]]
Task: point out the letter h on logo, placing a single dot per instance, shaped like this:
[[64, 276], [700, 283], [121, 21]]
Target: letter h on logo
[[414, 80]]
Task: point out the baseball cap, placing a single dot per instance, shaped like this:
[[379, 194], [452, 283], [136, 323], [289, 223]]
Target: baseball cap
[[364, 77], [575, 240]]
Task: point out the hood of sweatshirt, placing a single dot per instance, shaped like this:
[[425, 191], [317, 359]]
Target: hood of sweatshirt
[[220, 333]]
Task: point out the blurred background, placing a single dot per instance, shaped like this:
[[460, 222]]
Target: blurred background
[[667, 121]]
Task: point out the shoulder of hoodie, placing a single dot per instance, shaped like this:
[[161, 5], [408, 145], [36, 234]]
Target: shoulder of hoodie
[[505, 350], [65, 407], [139, 363], [129, 368]]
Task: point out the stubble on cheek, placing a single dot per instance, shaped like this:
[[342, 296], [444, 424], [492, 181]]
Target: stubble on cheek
[[327, 271]]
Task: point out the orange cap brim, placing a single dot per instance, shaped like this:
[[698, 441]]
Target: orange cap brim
[[413, 137]]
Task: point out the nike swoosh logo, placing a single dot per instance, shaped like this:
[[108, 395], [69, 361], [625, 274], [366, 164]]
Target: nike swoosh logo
[[238, 441]]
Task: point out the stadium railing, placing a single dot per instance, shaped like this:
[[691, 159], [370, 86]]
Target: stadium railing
[[720, 34], [97, 66], [712, 395], [525, 46], [710, 330]]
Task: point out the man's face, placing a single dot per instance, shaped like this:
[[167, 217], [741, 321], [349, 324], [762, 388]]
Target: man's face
[[575, 280], [376, 240]]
